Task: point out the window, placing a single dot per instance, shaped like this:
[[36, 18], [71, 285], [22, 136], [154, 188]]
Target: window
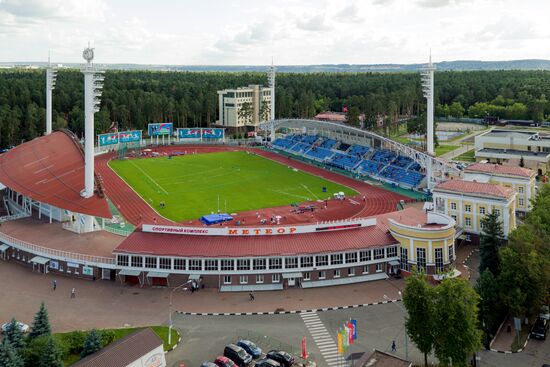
[[404, 259], [378, 253], [520, 189], [259, 278], [243, 279], [228, 265], [378, 267], [307, 275], [454, 217], [520, 201], [468, 222], [211, 264], [227, 279], [468, 237], [276, 263], [275, 278], [468, 208], [439, 259], [351, 272], [307, 262], [451, 253], [365, 269], [179, 264], [151, 262], [243, 264], [365, 256], [137, 261], [195, 264], [165, 263], [421, 258], [322, 274], [337, 273], [481, 210], [321, 260], [351, 257], [392, 251], [497, 212], [291, 262], [453, 206], [336, 259], [259, 264], [122, 260]]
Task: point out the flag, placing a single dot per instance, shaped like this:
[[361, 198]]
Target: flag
[[350, 336], [340, 343], [304, 349], [346, 337], [354, 323]]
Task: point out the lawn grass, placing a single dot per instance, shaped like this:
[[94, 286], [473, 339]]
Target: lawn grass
[[468, 156], [197, 184], [442, 149]]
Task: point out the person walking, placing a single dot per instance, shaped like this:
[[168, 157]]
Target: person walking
[[73, 293], [54, 284], [251, 296], [393, 348]]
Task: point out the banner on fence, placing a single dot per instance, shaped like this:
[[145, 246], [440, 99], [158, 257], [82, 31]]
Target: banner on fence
[[129, 136], [108, 139], [161, 128], [198, 133]]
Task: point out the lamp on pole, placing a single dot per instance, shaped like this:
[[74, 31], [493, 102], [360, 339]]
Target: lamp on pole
[[406, 336], [170, 310]]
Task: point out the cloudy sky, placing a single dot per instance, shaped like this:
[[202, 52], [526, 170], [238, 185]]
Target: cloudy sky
[[250, 32]]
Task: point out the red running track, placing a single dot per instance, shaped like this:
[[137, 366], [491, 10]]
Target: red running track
[[137, 211]]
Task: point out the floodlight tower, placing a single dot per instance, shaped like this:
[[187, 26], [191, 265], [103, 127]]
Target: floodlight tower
[[427, 74], [93, 83], [271, 84], [51, 76]]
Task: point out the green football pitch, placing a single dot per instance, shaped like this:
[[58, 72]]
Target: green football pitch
[[194, 185]]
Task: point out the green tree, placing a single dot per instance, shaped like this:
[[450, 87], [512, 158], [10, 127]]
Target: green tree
[[92, 344], [491, 310], [41, 325], [353, 116], [456, 326], [456, 110], [246, 111], [14, 335], [492, 238], [418, 298], [51, 355], [521, 162], [9, 356]]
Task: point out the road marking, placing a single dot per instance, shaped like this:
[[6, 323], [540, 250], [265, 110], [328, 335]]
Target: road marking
[[149, 177], [322, 338]]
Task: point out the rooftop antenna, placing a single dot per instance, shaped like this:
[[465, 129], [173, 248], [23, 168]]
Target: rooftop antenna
[[51, 76]]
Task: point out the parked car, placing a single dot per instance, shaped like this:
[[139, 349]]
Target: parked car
[[266, 362], [23, 327], [250, 348], [285, 359], [540, 329], [237, 355], [208, 364], [222, 361]]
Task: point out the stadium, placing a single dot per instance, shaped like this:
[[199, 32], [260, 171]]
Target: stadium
[[307, 204]]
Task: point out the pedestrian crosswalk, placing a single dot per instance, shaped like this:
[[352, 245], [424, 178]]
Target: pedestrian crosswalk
[[324, 341]]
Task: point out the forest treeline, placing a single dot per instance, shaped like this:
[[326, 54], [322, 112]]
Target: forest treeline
[[189, 99]]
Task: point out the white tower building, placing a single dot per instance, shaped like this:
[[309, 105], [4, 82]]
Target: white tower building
[[51, 75], [93, 83], [271, 84]]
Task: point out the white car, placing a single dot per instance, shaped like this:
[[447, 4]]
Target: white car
[[545, 313], [23, 327]]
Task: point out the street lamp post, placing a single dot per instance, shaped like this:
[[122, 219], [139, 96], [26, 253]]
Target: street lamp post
[[406, 336], [170, 310]]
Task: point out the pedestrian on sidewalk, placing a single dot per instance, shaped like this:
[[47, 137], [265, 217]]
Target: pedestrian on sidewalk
[[73, 293], [54, 284], [393, 348], [251, 296]]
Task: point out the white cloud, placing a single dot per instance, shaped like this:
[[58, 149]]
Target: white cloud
[[40, 10], [350, 14], [313, 23], [439, 3]]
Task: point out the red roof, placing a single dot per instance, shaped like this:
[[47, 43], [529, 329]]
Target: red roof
[[473, 187], [500, 169], [243, 246], [50, 169]]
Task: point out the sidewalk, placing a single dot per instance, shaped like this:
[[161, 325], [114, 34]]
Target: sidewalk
[[504, 338], [104, 304]]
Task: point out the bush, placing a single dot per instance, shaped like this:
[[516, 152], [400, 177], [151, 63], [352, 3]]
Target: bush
[[74, 341], [107, 337]]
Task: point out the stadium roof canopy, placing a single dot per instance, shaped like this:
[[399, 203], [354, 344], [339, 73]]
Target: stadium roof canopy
[[50, 169]]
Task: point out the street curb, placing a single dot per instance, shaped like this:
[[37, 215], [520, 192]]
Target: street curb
[[466, 259], [175, 345], [511, 351], [284, 312]]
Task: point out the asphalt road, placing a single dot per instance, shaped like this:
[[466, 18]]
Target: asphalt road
[[204, 337]]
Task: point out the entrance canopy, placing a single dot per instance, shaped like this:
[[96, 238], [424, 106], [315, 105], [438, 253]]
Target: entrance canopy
[[393, 263], [157, 274], [292, 275], [130, 272], [4, 247], [194, 276], [39, 260], [215, 218]]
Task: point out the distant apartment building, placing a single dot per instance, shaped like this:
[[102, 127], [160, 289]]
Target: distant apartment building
[[522, 180], [508, 147], [243, 107]]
